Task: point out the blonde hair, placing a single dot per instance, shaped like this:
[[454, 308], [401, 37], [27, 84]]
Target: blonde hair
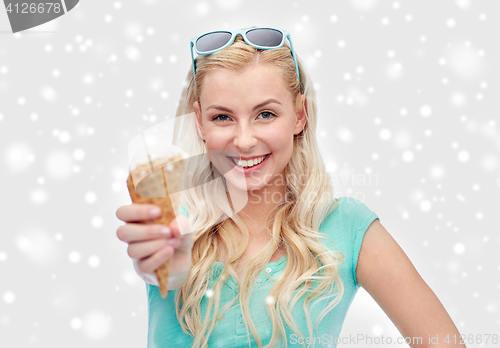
[[296, 220]]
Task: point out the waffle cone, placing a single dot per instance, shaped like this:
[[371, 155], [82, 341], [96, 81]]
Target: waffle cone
[[151, 188]]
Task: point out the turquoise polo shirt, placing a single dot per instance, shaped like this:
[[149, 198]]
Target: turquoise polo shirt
[[346, 226]]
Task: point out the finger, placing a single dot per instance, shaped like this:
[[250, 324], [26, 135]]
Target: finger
[[135, 232], [174, 227], [140, 250], [150, 264], [136, 212]]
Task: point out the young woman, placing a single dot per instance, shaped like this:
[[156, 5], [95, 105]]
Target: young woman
[[284, 269]]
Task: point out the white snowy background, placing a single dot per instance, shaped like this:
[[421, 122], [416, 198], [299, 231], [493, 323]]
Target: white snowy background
[[408, 106]]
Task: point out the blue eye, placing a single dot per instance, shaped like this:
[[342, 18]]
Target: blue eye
[[216, 118], [269, 114]]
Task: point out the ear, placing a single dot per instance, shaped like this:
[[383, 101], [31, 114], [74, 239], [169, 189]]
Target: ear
[[301, 116], [199, 126]]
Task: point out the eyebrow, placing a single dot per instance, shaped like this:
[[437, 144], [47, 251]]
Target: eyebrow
[[269, 101]]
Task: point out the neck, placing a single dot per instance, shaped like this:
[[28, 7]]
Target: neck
[[253, 206]]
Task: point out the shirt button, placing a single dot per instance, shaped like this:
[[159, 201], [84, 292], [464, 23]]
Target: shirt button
[[241, 320], [268, 269], [259, 280]]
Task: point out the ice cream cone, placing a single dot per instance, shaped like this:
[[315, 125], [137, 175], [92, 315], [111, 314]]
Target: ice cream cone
[[150, 187]]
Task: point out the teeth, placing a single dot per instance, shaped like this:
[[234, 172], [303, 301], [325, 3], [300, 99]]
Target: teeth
[[250, 163]]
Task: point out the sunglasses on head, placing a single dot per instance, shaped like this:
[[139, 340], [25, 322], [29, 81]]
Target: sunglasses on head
[[260, 38]]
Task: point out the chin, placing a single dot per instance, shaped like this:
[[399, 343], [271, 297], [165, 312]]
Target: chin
[[242, 185]]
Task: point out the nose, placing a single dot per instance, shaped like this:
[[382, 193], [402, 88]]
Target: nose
[[245, 138]]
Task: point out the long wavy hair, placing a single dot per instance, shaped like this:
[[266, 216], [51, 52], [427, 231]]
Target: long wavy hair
[[294, 226]]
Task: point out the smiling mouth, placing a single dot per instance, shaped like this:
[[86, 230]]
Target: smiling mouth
[[250, 163]]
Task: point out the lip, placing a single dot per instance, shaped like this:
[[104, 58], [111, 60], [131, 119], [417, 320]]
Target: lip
[[249, 170]]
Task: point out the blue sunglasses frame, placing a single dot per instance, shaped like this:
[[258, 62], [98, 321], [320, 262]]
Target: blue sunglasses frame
[[285, 35]]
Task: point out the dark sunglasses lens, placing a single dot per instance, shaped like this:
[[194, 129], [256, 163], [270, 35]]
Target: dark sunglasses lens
[[265, 37], [212, 41]]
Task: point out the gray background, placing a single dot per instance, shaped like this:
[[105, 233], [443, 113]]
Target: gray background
[[407, 93]]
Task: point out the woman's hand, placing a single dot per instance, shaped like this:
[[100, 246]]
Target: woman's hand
[[150, 245]]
